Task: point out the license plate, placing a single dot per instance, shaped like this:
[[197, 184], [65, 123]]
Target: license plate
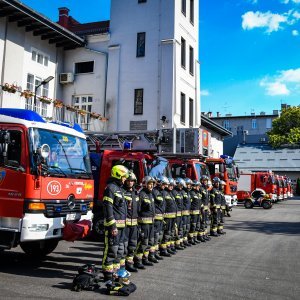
[[71, 217]]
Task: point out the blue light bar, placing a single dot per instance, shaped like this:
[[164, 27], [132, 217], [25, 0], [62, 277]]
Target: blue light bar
[[69, 125], [23, 114]]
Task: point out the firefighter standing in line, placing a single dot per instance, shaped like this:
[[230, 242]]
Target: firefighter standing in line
[[132, 230], [215, 206], [195, 212], [186, 220], [205, 212], [115, 211], [145, 221], [159, 200], [168, 242], [223, 209], [177, 193]]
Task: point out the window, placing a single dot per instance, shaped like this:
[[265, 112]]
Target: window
[[33, 55], [254, 124], [84, 102], [46, 60], [140, 44], [138, 101], [192, 11], [40, 57], [268, 123], [183, 52], [191, 60], [142, 1], [182, 108], [14, 150], [226, 124], [84, 67], [191, 112], [183, 6]]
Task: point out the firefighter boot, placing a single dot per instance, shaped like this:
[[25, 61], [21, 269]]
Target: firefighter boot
[[165, 253], [146, 262], [138, 264], [157, 256], [130, 267], [152, 258]]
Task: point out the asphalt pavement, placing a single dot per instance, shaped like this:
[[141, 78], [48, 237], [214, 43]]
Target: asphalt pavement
[[258, 258]]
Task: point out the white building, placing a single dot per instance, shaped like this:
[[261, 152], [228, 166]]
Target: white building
[[31, 50], [148, 57]]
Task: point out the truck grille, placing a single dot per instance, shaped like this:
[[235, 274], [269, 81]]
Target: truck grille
[[56, 209]]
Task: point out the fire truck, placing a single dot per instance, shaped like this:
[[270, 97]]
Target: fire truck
[[250, 182], [279, 183], [45, 180], [226, 169]]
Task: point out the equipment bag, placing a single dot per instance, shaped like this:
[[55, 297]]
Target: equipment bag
[[88, 278]]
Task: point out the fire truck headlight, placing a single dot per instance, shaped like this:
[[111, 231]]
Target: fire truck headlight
[[38, 227]]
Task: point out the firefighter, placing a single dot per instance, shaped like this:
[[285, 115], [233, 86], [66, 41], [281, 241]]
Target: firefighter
[[195, 212], [145, 221], [115, 211], [159, 200], [132, 230], [177, 193], [205, 212], [186, 219], [215, 206], [223, 209], [168, 242]]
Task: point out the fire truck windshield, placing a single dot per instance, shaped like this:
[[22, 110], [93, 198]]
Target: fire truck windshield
[[231, 171], [202, 170], [68, 155]]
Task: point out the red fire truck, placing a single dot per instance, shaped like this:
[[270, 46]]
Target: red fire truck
[[249, 182], [45, 180], [226, 169]]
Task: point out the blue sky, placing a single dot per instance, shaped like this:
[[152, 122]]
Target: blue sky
[[249, 50]]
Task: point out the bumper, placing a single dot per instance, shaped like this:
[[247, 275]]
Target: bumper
[[38, 227]]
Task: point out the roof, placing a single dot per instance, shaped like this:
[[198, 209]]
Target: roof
[[40, 25], [260, 157], [210, 124], [89, 28], [244, 117]]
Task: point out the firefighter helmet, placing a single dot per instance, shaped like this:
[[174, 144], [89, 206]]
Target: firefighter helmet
[[171, 181], [196, 183], [216, 180], [163, 180], [131, 176], [148, 179], [119, 171], [180, 181]]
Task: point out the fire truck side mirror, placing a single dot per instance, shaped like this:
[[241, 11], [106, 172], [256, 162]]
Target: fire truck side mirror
[[45, 151], [4, 142]]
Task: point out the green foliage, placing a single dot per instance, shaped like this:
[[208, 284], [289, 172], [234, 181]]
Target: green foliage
[[286, 128]]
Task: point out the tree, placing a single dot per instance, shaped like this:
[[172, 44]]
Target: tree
[[286, 128]]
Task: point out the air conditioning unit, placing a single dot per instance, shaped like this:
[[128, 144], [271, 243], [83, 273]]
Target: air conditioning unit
[[66, 78]]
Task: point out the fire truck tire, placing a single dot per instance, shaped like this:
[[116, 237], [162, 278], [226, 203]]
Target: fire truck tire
[[39, 248], [98, 227], [266, 204], [248, 203]]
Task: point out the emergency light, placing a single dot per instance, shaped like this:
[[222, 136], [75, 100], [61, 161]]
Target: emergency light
[[127, 145]]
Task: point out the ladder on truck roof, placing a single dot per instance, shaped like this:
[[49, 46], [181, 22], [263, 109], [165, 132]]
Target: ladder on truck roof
[[135, 141]]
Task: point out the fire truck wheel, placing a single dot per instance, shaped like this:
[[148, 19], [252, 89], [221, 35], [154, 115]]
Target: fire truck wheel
[[266, 204], [98, 227], [248, 203], [39, 248]]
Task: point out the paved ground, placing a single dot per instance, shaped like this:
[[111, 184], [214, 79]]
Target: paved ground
[[258, 258]]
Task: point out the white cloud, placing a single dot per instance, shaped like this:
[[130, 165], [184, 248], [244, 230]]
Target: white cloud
[[268, 20], [283, 83], [295, 32], [204, 93]]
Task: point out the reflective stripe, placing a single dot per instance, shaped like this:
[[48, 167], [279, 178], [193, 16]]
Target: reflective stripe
[[205, 207], [105, 198], [170, 215], [118, 195], [147, 200], [160, 198], [128, 198], [179, 214], [185, 212], [158, 217], [131, 222], [195, 212], [218, 206], [109, 223], [145, 220]]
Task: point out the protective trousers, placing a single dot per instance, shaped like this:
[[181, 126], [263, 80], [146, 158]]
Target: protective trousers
[[168, 237], [221, 219], [113, 255], [146, 241], [179, 230], [130, 242], [158, 233], [186, 224], [195, 226]]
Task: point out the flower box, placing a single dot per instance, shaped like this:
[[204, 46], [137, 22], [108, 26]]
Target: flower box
[[45, 100], [27, 94], [71, 108], [10, 88], [58, 103]]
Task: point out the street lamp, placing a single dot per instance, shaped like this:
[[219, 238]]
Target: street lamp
[[42, 83]]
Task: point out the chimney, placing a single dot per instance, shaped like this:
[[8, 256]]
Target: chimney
[[209, 114], [218, 114], [262, 113], [63, 17], [275, 112]]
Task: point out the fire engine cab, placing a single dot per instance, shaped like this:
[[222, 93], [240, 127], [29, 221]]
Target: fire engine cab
[[45, 180]]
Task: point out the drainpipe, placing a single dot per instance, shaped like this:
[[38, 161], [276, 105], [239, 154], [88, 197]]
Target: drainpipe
[[197, 101], [106, 68], [3, 60]]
